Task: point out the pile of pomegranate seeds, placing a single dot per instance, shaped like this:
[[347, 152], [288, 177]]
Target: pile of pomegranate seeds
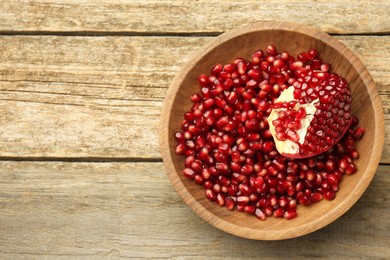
[[230, 140]]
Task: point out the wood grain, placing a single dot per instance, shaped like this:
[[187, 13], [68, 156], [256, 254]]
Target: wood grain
[[104, 100], [130, 210], [203, 16]]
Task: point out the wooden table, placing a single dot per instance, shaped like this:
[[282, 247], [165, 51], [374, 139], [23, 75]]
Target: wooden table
[[82, 84]]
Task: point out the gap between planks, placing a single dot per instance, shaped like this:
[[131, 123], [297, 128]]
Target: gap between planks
[[148, 34], [82, 159], [95, 159]]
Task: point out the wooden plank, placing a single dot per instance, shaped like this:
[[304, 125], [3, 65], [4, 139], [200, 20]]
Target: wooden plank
[[204, 16], [102, 96], [130, 210]]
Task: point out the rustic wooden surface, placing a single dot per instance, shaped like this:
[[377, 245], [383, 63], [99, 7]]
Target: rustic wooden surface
[[81, 88]]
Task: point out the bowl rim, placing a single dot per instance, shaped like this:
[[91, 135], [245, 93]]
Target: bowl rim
[[292, 232]]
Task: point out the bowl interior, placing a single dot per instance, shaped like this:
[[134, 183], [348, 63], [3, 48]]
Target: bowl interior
[[224, 50]]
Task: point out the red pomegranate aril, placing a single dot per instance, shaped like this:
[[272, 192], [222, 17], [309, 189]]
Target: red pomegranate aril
[[258, 182], [242, 200], [249, 209], [279, 213], [329, 195], [197, 166], [220, 199], [180, 148], [247, 169], [316, 196], [350, 169], [210, 195], [189, 173], [232, 189], [217, 188], [282, 202], [290, 214], [273, 200], [203, 80], [198, 179], [292, 205], [304, 199], [260, 214], [359, 132], [245, 189], [208, 184]]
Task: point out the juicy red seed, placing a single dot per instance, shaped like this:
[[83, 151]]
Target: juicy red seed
[[210, 195], [244, 188], [302, 57], [223, 148], [241, 67], [179, 136], [207, 184], [329, 195], [304, 199], [290, 214], [203, 80], [258, 182], [350, 169], [296, 65], [316, 196], [220, 199], [247, 169], [325, 67], [197, 166], [292, 205], [229, 203], [217, 69], [196, 98], [359, 132], [260, 214], [242, 200], [189, 173], [268, 146], [249, 209], [232, 189], [279, 213], [271, 50], [198, 179], [180, 148], [312, 53]]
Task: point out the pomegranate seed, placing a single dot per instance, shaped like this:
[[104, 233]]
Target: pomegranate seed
[[198, 179], [229, 203], [329, 195], [189, 173], [249, 209], [359, 132], [242, 200], [350, 169], [220, 199], [260, 214], [232, 189], [290, 214], [316, 196], [279, 213], [210, 195], [203, 80]]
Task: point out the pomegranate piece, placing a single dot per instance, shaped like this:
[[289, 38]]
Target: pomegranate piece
[[311, 116], [270, 134]]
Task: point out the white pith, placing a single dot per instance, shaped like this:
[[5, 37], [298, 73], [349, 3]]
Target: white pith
[[288, 146]]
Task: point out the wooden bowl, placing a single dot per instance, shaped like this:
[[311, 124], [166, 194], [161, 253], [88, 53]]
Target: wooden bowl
[[242, 42]]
